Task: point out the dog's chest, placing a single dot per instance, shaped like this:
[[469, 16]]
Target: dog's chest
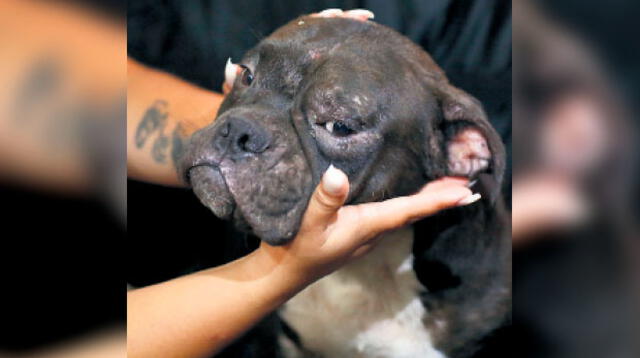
[[369, 308]]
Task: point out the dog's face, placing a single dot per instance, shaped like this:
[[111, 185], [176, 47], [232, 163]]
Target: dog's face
[[333, 91]]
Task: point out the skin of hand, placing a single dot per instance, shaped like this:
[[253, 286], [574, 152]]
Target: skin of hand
[[199, 314], [545, 201], [332, 235]]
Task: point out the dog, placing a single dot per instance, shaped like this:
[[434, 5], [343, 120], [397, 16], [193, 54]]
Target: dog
[[360, 96]]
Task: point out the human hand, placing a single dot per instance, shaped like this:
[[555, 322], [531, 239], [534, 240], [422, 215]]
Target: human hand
[[331, 234], [545, 202], [356, 14]]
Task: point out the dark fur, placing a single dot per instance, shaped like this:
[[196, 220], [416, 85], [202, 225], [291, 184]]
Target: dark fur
[[260, 160]]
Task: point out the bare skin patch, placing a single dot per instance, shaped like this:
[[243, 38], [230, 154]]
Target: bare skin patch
[[468, 153]]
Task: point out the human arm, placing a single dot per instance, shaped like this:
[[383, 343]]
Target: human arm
[[162, 112]]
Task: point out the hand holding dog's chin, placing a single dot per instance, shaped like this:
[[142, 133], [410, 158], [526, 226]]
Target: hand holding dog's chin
[[332, 235]]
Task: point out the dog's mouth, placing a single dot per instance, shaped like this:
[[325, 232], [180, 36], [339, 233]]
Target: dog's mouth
[[210, 187], [259, 197]]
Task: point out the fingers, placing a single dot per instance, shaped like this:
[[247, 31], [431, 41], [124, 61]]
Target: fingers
[[359, 14], [328, 13], [397, 212], [542, 203], [226, 88], [231, 71], [327, 199], [447, 181], [356, 14]]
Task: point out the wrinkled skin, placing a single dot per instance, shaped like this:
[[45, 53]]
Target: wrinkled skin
[[397, 123]]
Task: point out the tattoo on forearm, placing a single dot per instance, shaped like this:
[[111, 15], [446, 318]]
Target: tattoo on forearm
[[159, 149], [178, 141], [43, 81], [40, 106], [154, 119]]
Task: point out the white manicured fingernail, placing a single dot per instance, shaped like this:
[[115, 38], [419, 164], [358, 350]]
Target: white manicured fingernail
[[362, 13], [469, 199], [230, 71], [472, 183], [333, 180], [330, 12]]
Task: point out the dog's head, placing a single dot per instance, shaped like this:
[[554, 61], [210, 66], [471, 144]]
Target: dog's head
[[335, 91]]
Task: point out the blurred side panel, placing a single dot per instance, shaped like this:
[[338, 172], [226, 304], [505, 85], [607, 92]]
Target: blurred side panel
[[62, 178], [576, 185]]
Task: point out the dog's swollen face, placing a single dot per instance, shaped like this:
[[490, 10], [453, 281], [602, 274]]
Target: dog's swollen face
[[335, 91]]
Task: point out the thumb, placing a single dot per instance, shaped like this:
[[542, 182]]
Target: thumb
[[327, 199]]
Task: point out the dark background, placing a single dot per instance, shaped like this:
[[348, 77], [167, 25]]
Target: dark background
[[60, 267]]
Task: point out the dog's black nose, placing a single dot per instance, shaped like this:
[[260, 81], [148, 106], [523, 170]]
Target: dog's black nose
[[241, 137]]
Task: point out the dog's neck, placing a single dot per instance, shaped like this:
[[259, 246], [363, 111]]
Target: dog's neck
[[368, 308], [390, 257]]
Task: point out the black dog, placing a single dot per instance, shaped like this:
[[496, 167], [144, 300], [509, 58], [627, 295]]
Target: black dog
[[364, 98]]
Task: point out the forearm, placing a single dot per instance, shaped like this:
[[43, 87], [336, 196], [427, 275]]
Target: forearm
[[199, 314], [162, 112], [63, 76]]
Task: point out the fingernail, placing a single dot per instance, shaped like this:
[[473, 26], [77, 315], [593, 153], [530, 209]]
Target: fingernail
[[469, 199], [362, 12], [330, 12], [472, 183], [333, 180], [230, 73]]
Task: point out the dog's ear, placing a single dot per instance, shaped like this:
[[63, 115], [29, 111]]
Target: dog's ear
[[466, 139]]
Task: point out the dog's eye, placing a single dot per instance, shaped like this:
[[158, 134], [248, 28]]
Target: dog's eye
[[246, 77], [338, 129]]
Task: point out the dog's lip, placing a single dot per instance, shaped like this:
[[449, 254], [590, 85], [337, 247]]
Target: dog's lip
[[186, 175], [212, 189], [210, 186]]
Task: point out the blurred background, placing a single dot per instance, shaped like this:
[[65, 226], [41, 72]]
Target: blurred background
[[67, 251], [62, 178], [575, 184]]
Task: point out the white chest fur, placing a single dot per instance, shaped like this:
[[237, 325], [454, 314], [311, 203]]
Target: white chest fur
[[369, 308]]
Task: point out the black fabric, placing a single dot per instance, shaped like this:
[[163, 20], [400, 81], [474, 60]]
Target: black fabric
[[59, 267]]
